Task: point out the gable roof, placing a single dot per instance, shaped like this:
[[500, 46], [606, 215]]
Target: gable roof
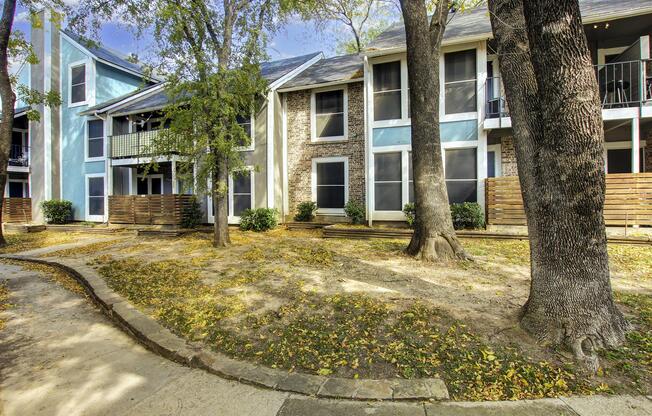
[[328, 71], [474, 24], [106, 55], [106, 105], [275, 70]]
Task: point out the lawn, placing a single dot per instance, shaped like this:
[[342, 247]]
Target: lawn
[[17, 242], [360, 308]]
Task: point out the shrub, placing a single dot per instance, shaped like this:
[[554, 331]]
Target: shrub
[[192, 215], [306, 211], [355, 212], [468, 215], [57, 211], [259, 219], [410, 214]]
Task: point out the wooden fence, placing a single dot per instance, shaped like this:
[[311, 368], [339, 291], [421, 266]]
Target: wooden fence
[[628, 200], [17, 210], [148, 209]]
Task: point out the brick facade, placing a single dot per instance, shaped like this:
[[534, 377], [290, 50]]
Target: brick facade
[[648, 150], [301, 151], [508, 157]]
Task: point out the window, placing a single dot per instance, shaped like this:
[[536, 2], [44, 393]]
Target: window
[[95, 195], [388, 186], [410, 179], [460, 82], [330, 184], [461, 175], [17, 189], [387, 91], [150, 185], [78, 84], [494, 161], [329, 115], [241, 194], [95, 146], [246, 124]]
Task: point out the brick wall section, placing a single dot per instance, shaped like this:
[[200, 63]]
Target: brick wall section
[[508, 157], [301, 150], [648, 150]]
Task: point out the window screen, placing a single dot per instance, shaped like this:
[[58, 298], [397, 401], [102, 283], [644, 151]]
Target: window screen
[[461, 175], [388, 185], [78, 84], [387, 91], [241, 192], [460, 82], [245, 123], [96, 196], [331, 185], [95, 138], [329, 114]]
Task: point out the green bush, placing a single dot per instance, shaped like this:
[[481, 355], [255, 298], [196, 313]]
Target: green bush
[[192, 215], [306, 211], [259, 219], [468, 215], [57, 211], [355, 212], [410, 214]]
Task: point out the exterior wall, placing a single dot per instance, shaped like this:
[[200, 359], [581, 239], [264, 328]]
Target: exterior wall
[[648, 151], [113, 83], [301, 150], [508, 157], [257, 158]]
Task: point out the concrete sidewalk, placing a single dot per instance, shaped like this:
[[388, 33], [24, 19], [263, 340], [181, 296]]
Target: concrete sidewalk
[[60, 356]]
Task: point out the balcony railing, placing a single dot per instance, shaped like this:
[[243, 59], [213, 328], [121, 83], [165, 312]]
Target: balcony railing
[[140, 144], [496, 105], [19, 155]]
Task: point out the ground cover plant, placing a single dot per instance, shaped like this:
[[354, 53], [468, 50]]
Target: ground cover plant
[[363, 309]]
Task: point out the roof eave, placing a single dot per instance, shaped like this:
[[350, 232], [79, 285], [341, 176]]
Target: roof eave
[[320, 85]]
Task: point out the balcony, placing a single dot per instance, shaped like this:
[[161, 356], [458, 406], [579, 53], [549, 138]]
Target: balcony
[[139, 144], [19, 155]]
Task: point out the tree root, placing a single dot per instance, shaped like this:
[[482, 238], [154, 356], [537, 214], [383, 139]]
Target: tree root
[[440, 247]]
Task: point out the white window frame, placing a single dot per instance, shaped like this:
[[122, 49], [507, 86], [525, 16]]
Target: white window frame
[[622, 145], [87, 139], [313, 115], [25, 183], [405, 182], [252, 145], [469, 115], [88, 216], [335, 159], [149, 178], [405, 119], [604, 52], [233, 219], [498, 160], [85, 64]]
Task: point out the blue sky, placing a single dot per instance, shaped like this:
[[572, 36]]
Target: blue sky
[[296, 37]]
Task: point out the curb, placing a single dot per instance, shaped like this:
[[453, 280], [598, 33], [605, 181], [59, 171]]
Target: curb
[[163, 342]]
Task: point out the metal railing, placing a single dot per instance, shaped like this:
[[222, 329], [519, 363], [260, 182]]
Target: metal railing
[[496, 105], [647, 77], [620, 83], [18, 155], [143, 143]]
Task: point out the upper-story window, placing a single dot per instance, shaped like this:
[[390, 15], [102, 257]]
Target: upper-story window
[[387, 91], [246, 122], [95, 139], [78, 84], [460, 82], [329, 115]]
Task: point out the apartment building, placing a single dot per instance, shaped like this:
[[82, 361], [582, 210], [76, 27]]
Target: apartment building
[[332, 130]]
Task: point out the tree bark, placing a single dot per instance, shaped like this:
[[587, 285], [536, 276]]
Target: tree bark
[[555, 109], [8, 100], [434, 237], [220, 192]]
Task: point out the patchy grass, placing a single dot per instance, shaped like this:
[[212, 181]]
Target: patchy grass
[[88, 249], [4, 303], [19, 242], [362, 308]]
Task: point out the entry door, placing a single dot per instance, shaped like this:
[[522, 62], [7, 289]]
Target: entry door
[[150, 185]]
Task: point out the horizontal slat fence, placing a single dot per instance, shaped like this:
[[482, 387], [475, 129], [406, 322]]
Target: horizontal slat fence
[[628, 200], [17, 210], [148, 209]]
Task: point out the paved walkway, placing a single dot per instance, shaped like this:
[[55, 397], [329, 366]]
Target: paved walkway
[[60, 356]]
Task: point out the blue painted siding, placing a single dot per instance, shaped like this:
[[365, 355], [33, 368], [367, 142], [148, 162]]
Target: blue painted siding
[[23, 79], [454, 131], [109, 83]]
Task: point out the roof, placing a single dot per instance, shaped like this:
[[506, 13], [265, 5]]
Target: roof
[[329, 70], [103, 106], [107, 55], [274, 70], [475, 23], [158, 99]]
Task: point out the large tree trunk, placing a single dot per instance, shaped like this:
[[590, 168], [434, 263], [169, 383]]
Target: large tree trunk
[[555, 109], [220, 194], [8, 100], [434, 236]]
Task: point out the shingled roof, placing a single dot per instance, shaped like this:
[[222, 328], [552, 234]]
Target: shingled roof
[[329, 70]]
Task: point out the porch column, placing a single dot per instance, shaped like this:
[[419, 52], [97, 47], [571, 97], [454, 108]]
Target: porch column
[[175, 184], [636, 147]]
